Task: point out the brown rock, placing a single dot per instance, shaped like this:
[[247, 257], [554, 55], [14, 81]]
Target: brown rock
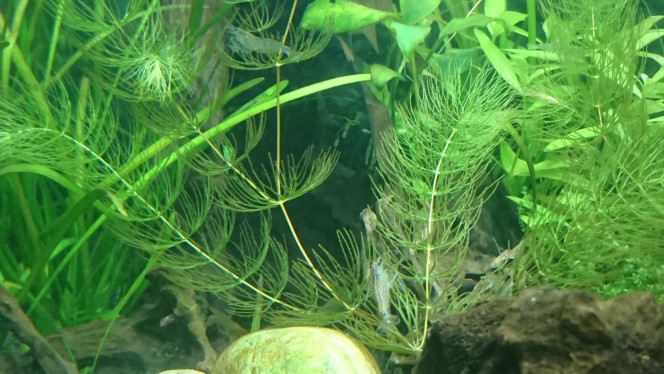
[[548, 331]]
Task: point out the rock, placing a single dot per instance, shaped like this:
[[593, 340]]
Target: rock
[[296, 350], [548, 331]]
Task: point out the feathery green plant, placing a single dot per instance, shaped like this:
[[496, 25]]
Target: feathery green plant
[[434, 190], [598, 212], [580, 157], [432, 195], [107, 133]]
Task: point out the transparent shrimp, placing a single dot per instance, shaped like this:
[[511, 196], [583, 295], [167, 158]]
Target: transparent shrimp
[[383, 282], [243, 42]]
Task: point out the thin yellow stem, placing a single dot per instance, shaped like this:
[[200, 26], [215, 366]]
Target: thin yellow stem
[[219, 154], [180, 234], [278, 168], [278, 97], [308, 260]]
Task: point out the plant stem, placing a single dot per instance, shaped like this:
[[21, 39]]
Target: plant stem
[[217, 130]]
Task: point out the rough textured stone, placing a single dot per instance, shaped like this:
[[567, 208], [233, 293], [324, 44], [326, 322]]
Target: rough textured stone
[[547, 331]]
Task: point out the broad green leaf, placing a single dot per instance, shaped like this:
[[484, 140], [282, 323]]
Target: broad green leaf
[[513, 165], [235, 91], [644, 27], [413, 11], [545, 28], [544, 215], [649, 37], [557, 170], [498, 59], [585, 133], [264, 96], [494, 8], [381, 74], [535, 52], [553, 169], [653, 89], [652, 107], [458, 24], [455, 61], [408, 37], [345, 15], [516, 167], [512, 18], [659, 59]]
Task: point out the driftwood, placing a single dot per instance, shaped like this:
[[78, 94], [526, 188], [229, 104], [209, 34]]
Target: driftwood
[[23, 329]]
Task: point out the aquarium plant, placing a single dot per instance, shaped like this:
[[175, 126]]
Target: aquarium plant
[[112, 125], [591, 142], [119, 129], [561, 152]]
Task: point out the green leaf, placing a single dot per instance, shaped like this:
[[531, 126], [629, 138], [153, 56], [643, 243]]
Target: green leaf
[[408, 37], [494, 8], [512, 18], [235, 91], [413, 11], [558, 170], [516, 167], [649, 37], [644, 27], [513, 165], [506, 22], [381, 74], [458, 24], [345, 15], [544, 215], [585, 133], [498, 59], [453, 62], [195, 16], [535, 52], [264, 96], [554, 169]]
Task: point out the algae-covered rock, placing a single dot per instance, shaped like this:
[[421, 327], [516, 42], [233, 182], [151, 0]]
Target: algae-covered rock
[[296, 350]]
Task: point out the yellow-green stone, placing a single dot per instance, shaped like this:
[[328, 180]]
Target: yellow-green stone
[[296, 350]]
